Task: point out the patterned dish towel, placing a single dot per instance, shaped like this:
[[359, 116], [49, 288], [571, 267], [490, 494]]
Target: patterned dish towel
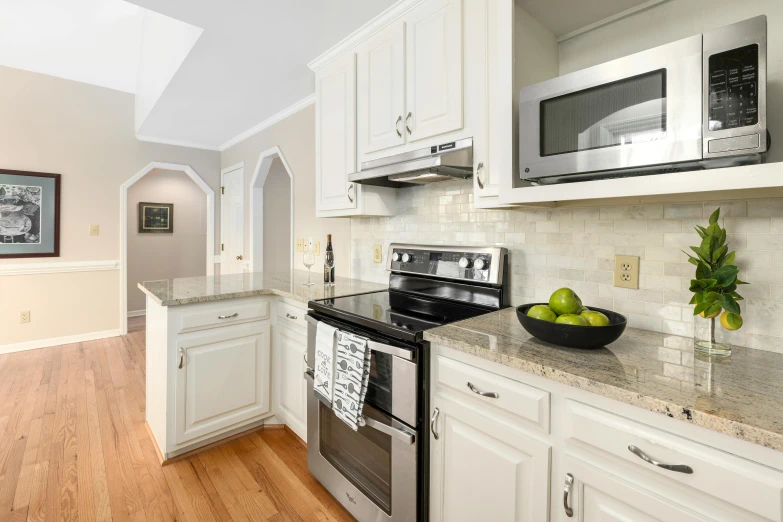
[[323, 381], [353, 374]]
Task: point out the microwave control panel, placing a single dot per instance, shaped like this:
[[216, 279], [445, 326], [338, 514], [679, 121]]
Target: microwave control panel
[[734, 88]]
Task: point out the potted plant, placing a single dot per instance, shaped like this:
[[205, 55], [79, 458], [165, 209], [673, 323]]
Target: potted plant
[[715, 296]]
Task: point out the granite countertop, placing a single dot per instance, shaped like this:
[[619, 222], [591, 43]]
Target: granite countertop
[[738, 395], [189, 290]]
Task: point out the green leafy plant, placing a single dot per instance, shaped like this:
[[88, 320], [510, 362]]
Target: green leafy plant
[[715, 286]]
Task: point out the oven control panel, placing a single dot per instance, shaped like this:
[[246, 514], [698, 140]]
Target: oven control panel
[[734, 88], [448, 262]]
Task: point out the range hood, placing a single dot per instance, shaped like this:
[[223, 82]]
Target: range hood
[[447, 161]]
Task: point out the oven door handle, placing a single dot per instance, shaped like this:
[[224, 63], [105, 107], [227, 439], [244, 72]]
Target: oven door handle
[[402, 353], [404, 436]]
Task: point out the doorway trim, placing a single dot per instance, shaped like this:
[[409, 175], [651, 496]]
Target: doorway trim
[[210, 254], [223, 222], [260, 174]]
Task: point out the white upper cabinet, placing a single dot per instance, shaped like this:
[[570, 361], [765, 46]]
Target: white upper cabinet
[[381, 89], [433, 64], [335, 141]]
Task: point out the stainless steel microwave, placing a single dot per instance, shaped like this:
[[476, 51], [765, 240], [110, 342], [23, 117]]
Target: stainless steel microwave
[[694, 103]]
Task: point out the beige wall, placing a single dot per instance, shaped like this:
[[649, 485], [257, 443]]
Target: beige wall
[[86, 134], [277, 219], [164, 256], [295, 136]]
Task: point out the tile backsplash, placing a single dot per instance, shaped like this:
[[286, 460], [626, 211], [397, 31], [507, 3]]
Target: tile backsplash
[[575, 247]]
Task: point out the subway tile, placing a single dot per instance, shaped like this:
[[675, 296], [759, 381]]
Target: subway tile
[[587, 239], [609, 290], [777, 225], [682, 210], [629, 251], [764, 241], [625, 307], [646, 295], [547, 226], [746, 225], [681, 298], [585, 263], [587, 214], [727, 208], [654, 324], [572, 226], [560, 214], [599, 227], [679, 269], [612, 213], [677, 328], [764, 317], [664, 311], [559, 239], [765, 342], [615, 239], [756, 291], [630, 226], [765, 207], [572, 275], [748, 258], [607, 303], [651, 267], [738, 241], [599, 251], [559, 261], [654, 240], [681, 240], [646, 211], [660, 226], [597, 276], [777, 292]]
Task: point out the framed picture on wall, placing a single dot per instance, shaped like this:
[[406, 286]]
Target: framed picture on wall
[[29, 214], [156, 218]]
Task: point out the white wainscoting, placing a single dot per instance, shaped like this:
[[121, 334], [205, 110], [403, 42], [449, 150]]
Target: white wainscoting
[[57, 267]]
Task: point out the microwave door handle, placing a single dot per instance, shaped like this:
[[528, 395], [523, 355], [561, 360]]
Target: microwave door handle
[[398, 434], [402, 353]]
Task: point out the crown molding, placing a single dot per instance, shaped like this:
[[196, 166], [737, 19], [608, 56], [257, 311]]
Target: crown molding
[[176, 143], [58, 267], [608, 20], [391, 13], [285, 113]]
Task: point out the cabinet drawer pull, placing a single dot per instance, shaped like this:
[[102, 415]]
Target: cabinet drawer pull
[[235, 314], [679, 468], [181, 357], [397, 126], [307, 364], [569, 481], [291, 316], [433, 421], [350, 188], [479, 172], [491, 395], [407, 125]]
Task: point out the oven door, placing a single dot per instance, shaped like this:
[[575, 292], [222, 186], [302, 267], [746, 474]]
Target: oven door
[[639, 111]]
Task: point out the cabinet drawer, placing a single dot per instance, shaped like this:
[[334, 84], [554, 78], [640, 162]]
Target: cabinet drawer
[[513, 396], [290, 315], [740, 482], [222, 314]]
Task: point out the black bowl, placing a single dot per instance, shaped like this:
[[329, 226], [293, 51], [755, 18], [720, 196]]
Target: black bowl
[[570, 335]]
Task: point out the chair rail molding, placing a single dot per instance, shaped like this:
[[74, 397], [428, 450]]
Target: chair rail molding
[[58, 267]]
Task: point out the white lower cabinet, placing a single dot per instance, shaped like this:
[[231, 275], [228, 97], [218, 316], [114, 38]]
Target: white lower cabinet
[[289, 348], [482, 469], [222, 379]]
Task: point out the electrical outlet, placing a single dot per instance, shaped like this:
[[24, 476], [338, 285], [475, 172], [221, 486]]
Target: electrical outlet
[[317, 249], [300, 244], [95, 230], [24, 317], [626, 271], [310, 244], [377, 254]]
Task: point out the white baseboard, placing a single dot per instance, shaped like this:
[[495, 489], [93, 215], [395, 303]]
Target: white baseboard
[[137, 313], [57, 341]]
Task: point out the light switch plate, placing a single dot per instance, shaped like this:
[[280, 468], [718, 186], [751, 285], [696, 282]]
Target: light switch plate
[[626, 272], [300, 244], [95, 230], [310, 244], [377, 254], [317, 249]]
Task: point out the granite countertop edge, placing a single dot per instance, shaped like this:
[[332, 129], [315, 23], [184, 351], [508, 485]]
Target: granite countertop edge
[[683, 412], [220, 297]]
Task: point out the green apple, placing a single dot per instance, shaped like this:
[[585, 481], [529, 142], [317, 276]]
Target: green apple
[[595, 318], [572, 319], [565, 301], [542, 312]]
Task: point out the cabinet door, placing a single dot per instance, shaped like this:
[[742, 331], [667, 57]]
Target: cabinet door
[[434, 69], [335, 134], [288, 354], [381, 89], [596, 496], [224, 379], [484, 470]]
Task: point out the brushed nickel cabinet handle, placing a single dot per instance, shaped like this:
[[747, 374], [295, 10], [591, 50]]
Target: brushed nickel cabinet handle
[[235, 314], [290, 316], [407, 125], [307, 364], [397, 126], [491, 395], [479, 171], [569, 481], [181, 357], [239, 257], [350, 187], [432, 423], [679, 468]]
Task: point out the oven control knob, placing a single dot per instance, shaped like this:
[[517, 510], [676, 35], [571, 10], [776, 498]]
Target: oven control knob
[[407, 258], [395, 257], [481, 263], [464, 262]]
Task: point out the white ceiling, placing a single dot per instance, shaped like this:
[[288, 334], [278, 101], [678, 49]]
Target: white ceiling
[[90, 41], [249, 64], [564, 16]]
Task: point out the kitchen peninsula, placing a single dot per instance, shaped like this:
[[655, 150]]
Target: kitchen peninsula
[[225, 354]]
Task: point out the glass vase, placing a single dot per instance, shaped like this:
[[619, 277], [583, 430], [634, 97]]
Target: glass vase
[[705, 334]]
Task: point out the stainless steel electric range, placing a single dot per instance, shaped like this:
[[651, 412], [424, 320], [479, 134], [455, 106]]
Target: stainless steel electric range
[[381, 472]]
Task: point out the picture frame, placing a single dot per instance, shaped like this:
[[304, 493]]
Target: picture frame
[[156, 218], [29, 214]]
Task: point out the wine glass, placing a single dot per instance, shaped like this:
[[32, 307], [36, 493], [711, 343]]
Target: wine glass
[[329, 263], [309, 260]]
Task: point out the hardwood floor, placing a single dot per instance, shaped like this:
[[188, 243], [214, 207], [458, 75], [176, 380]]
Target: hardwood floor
[[73, 446]]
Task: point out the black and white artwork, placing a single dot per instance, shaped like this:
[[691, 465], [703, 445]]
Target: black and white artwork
[[156, 218], [29, 214]]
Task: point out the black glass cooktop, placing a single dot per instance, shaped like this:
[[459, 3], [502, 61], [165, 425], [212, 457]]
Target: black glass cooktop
[[400, 315]]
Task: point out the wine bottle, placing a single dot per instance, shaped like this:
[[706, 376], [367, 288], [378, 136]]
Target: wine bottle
[[329, 261]]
